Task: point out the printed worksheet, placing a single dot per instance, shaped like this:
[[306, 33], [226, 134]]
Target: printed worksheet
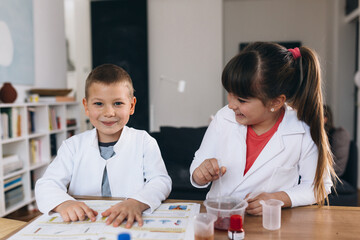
[[169, 221]]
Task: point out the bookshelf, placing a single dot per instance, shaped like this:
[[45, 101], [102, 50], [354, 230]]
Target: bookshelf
[[30, 133]]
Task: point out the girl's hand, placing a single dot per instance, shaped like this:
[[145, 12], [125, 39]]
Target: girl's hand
[[208, 171], [129, 209], [255, 208], [72, 211]]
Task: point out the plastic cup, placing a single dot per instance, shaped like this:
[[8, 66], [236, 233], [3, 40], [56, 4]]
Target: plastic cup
[[271, 213], [223, 208], [204, 226]]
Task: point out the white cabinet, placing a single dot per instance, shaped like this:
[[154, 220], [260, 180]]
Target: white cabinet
[[31, 133]]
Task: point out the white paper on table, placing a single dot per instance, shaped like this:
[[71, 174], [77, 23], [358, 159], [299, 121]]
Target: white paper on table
[[168, 221]]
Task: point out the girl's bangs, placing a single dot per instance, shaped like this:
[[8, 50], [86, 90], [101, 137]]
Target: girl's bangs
[[238, 76]]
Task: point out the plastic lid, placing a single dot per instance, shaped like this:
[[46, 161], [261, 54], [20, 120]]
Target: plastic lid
[[123, 236], [235, 223]]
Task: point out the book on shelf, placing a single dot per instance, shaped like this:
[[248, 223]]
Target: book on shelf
[[70, 122], [14, 196], [70, 133], [11, 163], [4, 126], [31, 119], [35, 151], [10, 123], [53, 145], [12, 182], [6, 122], [56, 99], [54, 120]]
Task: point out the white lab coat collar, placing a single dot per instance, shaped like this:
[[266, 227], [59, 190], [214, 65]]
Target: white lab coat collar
[[289, 125], [117, 146]]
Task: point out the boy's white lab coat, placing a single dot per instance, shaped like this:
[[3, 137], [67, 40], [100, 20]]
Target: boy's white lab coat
[[289, 154], [135, 171]]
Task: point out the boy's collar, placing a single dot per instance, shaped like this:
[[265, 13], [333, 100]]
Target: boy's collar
[[95, 142]]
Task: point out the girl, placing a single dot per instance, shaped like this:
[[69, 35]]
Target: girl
[[269, 140]]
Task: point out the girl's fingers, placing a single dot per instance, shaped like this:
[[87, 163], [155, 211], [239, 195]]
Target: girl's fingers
[[207, 167], [255, 211], [206, 175], [223, 170]]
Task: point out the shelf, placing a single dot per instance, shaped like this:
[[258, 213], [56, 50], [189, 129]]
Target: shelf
[[57, 131], [72, 128], [33, 149], [17, 206], [12, 174], [38, 165], [11, 140], [36, 135]]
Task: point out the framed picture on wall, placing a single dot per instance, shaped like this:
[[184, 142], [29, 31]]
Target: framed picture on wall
[[16, 42]]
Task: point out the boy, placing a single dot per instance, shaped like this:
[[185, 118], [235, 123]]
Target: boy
[[110, 160]]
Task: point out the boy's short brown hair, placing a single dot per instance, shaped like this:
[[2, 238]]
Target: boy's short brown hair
[[109, 74]]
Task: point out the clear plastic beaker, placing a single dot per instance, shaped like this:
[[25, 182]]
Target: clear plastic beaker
[[271, 213], [204, 226]]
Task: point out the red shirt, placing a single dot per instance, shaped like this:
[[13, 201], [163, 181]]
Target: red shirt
[[256, 143]]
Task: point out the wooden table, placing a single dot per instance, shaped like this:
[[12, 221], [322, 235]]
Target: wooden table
[[302, 223], [8, 225], [306, 223], [310, 222]]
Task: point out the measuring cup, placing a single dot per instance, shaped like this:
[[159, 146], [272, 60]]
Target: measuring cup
[[271, 213], [204, 226]]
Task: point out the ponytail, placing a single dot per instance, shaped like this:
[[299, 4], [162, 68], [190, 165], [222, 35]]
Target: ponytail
[[309, 104]]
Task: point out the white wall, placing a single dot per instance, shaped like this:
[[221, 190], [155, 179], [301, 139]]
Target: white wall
[[49, 47], [317, 24], [78, 32], [342, 68], [185, 43]]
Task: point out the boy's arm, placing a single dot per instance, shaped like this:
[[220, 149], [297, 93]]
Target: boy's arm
[[51, 189], [158, 183]]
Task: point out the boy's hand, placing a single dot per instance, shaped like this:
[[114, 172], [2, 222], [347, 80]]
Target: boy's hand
[[129, 209], [208, 171], [72, 211]]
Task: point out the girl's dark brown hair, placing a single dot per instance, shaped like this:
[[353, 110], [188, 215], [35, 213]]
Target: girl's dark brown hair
[[267, 70]]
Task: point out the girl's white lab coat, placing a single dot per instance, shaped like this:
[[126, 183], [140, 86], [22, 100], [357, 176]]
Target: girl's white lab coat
[[135, 171], [290, 154]]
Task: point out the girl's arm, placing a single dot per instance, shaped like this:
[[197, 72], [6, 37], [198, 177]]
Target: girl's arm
[[204, 167]]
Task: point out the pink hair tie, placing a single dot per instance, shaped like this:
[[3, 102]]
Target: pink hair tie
[[295, 52]]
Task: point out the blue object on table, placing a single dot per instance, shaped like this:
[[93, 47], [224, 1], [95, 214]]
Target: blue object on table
[[124, 236]]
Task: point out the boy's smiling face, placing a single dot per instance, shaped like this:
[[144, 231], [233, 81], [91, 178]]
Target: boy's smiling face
[[109, 107]]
